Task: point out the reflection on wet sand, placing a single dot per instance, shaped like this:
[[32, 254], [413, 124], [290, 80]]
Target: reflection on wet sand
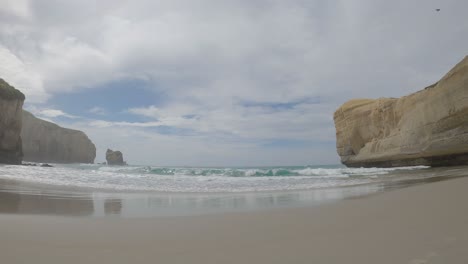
[[18, 199], [9, 202], [23, 203], [113, 206], [21, 198]]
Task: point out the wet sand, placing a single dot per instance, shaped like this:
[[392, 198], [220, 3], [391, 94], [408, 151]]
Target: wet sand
[[419, 224]]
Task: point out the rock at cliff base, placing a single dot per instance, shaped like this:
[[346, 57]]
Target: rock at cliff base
[[429, 127], [47, 142], [114, 157], [11, 107]]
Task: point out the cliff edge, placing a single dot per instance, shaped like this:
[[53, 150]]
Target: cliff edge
[[11, 107], [429, 127], [44, 141]]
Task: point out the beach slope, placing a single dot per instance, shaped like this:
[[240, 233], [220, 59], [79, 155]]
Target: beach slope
[[419, 224]]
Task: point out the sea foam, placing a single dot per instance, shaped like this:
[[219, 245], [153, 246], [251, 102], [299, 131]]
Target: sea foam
[[203, 180]]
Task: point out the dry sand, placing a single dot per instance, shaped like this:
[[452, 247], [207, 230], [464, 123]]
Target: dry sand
[[420, 224]]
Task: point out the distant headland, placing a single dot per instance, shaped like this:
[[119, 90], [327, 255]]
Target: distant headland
[[26, 137]]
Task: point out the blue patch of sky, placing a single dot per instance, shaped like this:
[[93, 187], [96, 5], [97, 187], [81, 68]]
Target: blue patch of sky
[[114, 97]]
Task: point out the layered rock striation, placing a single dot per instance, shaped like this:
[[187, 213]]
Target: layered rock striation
[[429, 127], [114, 157], [11, 107], [44, 141]]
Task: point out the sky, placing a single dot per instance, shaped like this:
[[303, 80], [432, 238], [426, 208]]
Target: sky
[[221, 82]]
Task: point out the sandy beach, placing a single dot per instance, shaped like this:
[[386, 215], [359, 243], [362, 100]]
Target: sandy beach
[[415, 225]]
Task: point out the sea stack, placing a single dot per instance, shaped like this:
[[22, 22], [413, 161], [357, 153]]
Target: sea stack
[[114, 157], [11, 107], [47, 142], [429, 127]]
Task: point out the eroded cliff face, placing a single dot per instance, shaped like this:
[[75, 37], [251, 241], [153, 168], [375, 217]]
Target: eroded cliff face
[[11, 107], [429, 127], [44, 141]]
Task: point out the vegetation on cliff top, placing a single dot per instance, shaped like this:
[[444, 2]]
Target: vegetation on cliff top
[[9, 92]]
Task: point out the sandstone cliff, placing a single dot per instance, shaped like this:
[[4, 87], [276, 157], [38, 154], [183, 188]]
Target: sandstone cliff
[[11, 105], [114, 157], [47, 142], [429, 127]]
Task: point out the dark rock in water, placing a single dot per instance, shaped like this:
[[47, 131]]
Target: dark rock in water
[[429, 127], [114, 157], [44, 141], [46, 165], [11, 107], [29, 164]]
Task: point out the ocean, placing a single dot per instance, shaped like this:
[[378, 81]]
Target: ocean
[[140, 191]]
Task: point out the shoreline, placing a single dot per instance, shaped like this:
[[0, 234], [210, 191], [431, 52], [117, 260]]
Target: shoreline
[[29, 198], [439, 172], [419, 224], [48, 180]]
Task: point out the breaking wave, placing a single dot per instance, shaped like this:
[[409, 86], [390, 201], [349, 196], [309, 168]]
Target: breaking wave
[[185, 179]]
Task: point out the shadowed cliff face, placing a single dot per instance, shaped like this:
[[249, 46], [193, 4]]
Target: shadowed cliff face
[[11, 107], [47, 142], [429, 127]]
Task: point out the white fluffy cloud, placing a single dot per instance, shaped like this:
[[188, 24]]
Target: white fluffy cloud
[[263, 50], [20, 74]]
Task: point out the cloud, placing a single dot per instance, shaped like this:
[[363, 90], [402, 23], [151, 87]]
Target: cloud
[[141, 146], [235, 71], [19, 74], [268, 51], [49, 114], [103, 124], [98, 110], [15, 9], [298, 120], [54, 113], [151, 111]]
